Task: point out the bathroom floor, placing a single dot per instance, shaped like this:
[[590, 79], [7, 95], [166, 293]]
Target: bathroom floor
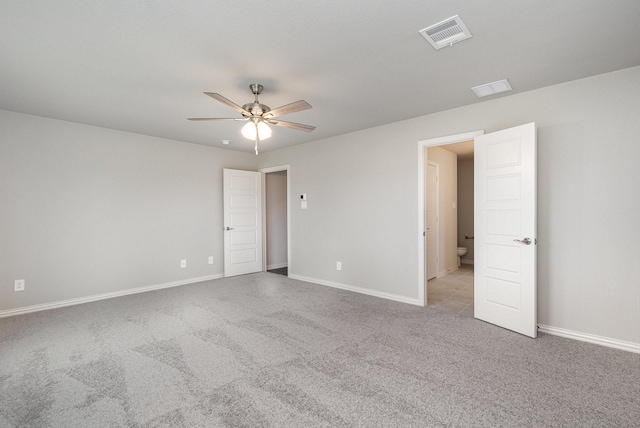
[[280, 271], [453, 292]]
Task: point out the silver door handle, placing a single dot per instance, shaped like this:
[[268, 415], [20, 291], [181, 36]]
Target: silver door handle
[[228, 228], [524, 241]]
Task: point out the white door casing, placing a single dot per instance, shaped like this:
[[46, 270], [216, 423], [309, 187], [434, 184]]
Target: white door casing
[[505, 289], [242, 193], [432, 208]]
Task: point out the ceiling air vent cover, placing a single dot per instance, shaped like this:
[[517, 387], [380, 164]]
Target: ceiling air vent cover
[[446, 33]]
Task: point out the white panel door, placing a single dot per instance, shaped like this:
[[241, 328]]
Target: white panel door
[[431, 198], [505, 290], [242, 222]]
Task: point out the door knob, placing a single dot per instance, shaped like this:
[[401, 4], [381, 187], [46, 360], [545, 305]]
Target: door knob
[[526, 241], [228, 228]]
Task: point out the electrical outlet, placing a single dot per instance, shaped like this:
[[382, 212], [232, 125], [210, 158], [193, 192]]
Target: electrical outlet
[[18, 285], [338, 265], [211, 260], [183, 263]]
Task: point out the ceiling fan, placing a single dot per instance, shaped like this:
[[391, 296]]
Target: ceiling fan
[[260, 116]]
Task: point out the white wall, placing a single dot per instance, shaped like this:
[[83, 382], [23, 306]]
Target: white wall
[[363, 197], [448, 215], [465, 206], [276, 228], [87, 210]]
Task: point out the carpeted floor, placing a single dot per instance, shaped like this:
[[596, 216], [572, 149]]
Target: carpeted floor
[[264, 350]]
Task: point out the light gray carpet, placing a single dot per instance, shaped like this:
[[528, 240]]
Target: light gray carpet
[[264, 350]]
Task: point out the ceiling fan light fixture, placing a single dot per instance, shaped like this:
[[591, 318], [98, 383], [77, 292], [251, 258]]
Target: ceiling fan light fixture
[[250, 128]]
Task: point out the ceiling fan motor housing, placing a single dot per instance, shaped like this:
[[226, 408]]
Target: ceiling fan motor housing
[[256, 109]]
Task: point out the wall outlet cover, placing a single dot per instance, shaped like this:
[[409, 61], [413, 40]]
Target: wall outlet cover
[[18, 285], [211, 260]]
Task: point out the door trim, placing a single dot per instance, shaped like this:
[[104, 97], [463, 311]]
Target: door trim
[[422, 145], [264, 171]]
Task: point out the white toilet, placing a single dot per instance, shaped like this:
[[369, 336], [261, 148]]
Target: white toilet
[[461, 252]]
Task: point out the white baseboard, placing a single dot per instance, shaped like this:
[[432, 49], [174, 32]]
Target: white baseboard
[[389, 296], [466, 262], [276, 266], [96, 297], [591, 338]]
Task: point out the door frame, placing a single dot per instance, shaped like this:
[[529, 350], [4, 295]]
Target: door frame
[[422, 239], [265, 171]]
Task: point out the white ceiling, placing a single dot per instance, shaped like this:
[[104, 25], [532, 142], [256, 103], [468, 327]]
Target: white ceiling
[[141, 66]]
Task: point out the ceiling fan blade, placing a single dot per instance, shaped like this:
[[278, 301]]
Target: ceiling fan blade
[[289, 108], [217, 118], [292, 125], [227, 102]]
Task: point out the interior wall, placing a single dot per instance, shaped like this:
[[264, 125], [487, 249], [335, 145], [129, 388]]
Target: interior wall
[[88, 210], [276, 207], [448, 215], [465, 207], [363, 200]]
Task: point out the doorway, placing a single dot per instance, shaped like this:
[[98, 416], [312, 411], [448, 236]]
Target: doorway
[[423, 273], [449, 227], [276, 220]]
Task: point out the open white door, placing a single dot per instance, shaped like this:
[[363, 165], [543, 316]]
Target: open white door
[[505, 290], [242, 192]]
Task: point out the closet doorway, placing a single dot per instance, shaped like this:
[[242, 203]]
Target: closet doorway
[[276, 219]]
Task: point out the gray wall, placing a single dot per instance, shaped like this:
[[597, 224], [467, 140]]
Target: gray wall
[[276, 228], [363, 197], [87, 210]]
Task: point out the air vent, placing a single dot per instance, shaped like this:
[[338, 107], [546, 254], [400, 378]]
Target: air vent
[[492, 88], [446, 33]]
